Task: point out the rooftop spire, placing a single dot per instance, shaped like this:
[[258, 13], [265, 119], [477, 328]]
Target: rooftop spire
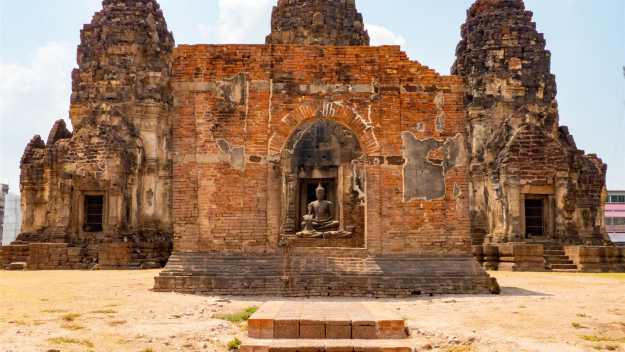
[[481, 6], [124, 56], [317, 22], [501, 48]]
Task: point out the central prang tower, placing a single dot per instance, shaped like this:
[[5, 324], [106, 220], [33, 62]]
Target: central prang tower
[[317, 22]]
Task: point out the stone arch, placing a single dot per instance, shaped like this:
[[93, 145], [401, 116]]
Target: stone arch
[[349, 117]]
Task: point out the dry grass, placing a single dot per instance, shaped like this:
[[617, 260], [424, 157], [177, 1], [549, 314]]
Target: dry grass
[[461, 348], [104, 311], [70, 341], [70, 317], [72, 327], [597, 338], [117, 322], [53, 311]]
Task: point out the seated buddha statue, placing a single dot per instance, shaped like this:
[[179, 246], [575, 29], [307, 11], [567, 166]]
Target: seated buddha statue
[[320, 216]]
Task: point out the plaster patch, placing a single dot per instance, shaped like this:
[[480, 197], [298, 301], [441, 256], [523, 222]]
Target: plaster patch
[[235, 154]]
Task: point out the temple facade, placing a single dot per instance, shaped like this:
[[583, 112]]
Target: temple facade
[[314, 164]]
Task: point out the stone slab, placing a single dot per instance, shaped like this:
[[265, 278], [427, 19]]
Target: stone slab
[[317, 345], [311, 319]]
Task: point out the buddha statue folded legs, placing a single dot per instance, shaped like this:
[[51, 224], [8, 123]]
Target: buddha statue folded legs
[[320, 218]]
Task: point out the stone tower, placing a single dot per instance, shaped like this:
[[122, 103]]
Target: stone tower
[[317, 22], [529, 181], [108, 181]]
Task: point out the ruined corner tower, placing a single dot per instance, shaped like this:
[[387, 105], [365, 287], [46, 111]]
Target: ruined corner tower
[[104, 190], [317, 22], [529, 182]]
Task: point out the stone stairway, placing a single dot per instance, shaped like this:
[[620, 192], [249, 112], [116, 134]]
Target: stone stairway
[[294, 326], [556, 260]]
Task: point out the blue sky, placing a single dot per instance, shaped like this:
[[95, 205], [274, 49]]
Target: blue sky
[[38, 41]]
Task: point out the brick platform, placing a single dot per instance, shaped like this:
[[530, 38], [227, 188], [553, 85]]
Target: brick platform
[[312, 274], [316, 345], [325, 320], [337, 326]]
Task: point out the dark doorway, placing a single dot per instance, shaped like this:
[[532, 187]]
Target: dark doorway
[[94, 213], [534, 217]]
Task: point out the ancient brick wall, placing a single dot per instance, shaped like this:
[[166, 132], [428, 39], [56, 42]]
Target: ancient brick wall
[[517, 149], [238, 106]]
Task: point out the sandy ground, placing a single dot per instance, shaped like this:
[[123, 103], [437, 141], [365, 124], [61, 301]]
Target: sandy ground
[[116, 311]]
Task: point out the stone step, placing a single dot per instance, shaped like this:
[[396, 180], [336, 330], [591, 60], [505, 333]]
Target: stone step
[[558, 262], [325, 320], [563, 267], [17, 266], [554, 252], [557, 258], [565, 270], [562, 256], [317, 345]]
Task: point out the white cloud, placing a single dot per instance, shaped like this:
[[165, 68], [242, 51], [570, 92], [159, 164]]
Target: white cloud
[[383, 36], [239, 21], [33, 94]]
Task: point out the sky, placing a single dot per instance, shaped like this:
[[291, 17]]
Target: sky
[[38, 40]]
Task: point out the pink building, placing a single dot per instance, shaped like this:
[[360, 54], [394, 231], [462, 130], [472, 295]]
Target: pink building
[[615, 216]]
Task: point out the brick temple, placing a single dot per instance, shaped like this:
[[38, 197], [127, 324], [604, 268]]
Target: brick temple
[[313, 165]]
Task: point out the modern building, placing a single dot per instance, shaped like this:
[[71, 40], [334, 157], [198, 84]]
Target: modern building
[[615, 216], [4, 190], [12, 218]]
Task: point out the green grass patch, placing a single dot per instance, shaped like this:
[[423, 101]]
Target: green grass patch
[[70, 316], [577, 325], [234, 344], [147, 350], [104, 311], [70, 341], [239, 317]]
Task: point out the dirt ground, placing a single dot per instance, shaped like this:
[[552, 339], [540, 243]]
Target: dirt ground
[[116, 311]]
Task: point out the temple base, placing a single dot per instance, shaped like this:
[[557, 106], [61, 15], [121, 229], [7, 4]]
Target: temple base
[[352, 273]]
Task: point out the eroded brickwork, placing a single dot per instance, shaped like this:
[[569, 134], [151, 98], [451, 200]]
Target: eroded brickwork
[[317, 22], [118, 154], [517, 149]]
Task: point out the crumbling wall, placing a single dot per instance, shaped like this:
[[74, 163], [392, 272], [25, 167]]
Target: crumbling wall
[[120, 146], [377, 94], [317, 23], [516, 146]]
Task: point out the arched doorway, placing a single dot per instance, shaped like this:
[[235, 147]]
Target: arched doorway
[[323, 184]]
